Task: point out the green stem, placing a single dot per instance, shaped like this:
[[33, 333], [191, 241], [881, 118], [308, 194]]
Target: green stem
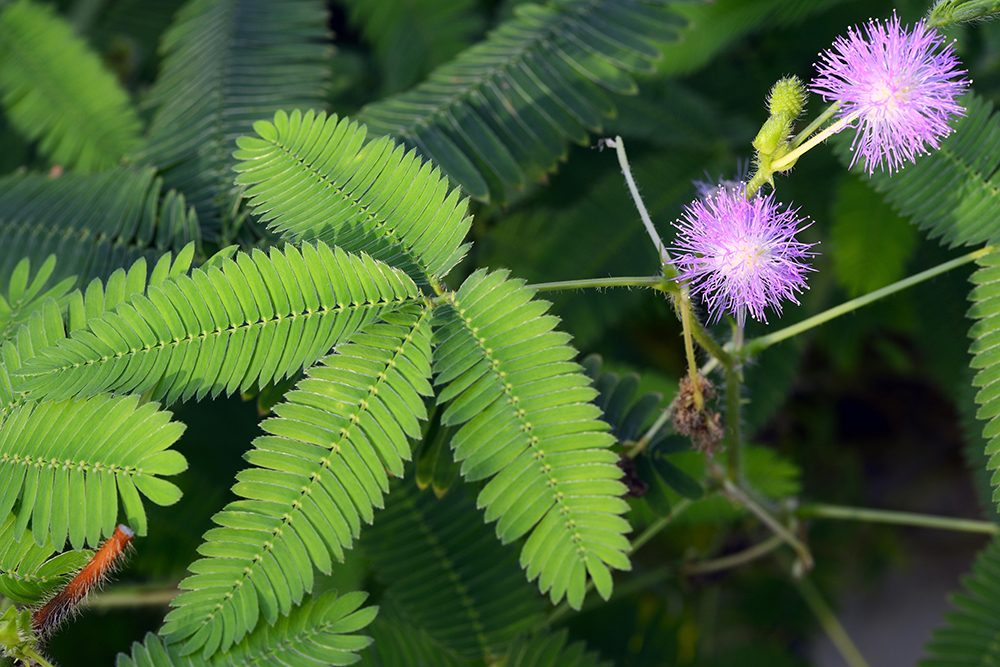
[[757, 345], [37, 657], [686, 316], [748, 555], [734, 440], [643, 442], [834, 630], [824, 511], [787, 160], [738, 495], [661, 249], [815, 125], [708, 343], [656, 282]]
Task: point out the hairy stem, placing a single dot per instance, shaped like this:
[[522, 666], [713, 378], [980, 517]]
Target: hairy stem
[[824, 511], [655, 282], [735, 560], [37, 657], [815, 125], [684, 304], [757, 345], [738, 495], [834, 630], [661, 249]]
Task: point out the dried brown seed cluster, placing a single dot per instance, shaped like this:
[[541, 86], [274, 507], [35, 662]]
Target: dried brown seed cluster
[[703, 426]]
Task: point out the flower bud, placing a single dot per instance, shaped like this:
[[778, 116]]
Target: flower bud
[[773, 133], [787, 98]]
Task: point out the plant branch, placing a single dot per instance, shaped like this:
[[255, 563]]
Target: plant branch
[[735, 560], [738, 495], [619, 147], [754, 347], [643, 442], [824, 511], [655, 282], [815, 125], [786, 161], [831, 625]]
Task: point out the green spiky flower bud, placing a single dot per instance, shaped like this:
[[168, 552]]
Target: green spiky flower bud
[[787, 98], [946, 12]]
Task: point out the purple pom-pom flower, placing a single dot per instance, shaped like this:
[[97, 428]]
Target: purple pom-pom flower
[[900, 86], [740, 255]]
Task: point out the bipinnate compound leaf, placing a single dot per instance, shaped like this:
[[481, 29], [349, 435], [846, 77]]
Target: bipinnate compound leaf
[[24, 297], [227, 64], [256, 319], [503, 112], [55, 89], [65, 465], [29, 573], [985, 335], [320, 632], [318, 473], [312, 177], [528, 425], [93, 223], [443, 569]]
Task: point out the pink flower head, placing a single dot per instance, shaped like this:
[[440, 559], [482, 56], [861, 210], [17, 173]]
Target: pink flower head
[[900, 84], [741, 255]]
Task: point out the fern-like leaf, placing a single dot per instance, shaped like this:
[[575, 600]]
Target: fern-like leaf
[[442, 567], [257, 319], [954, 192], [985, 334], [69, 462], [93, 223], [969, 636], [399, 643], [54, 88], [504, 111], [24, 298], [28, 572], [226, 64], [411, 37], [552, 651], [312, 179], [529, 422], [320, 632], [323, 467]]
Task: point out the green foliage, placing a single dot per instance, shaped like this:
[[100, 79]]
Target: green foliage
[[53, 88], [504, 111], [319, 632], [985, 334], [94, 223], [969, 636], [411, 37], [312, 179], [319, 472], [442, 569], [551, 650], [226, 64], [870, 243], [221, 329], [952, 192], [528, 423], [23, 298], [399, 643], [28, 572], [75, 459]]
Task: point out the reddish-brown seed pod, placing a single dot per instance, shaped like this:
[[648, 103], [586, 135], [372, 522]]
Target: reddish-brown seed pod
[[91, 577]]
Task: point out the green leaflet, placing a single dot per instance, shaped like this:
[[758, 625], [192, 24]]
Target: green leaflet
[[969, 636], [552, 649], [29, 573], [442, 567], [70, 462], [412, 37], [952, 193], [93, 223], [228, 63], [312, 178], [503, 112], [256, 319], [45, 324], [323, 466], [23, 298], [527, 423], [322, 631], [54, 88], [985, 334], [399, 643]]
